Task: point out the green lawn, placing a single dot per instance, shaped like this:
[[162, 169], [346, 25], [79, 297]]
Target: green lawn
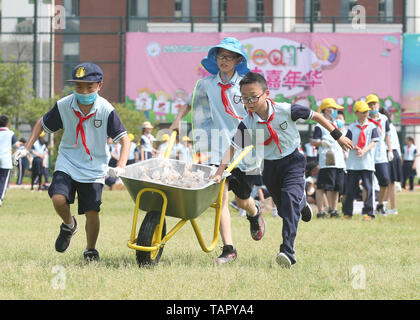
[[336, 259]]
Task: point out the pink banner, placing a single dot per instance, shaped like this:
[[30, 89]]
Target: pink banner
[[162, 68]]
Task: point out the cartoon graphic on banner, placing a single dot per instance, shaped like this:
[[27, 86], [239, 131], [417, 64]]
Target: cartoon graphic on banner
[[144, 101], [299, 67]]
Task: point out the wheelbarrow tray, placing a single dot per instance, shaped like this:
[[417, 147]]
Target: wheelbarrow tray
[[183, 203]]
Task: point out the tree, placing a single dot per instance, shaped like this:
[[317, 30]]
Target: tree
[[15, 90], [131, 119]]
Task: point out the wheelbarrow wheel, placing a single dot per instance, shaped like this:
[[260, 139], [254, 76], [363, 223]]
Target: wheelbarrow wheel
[[148, 235]]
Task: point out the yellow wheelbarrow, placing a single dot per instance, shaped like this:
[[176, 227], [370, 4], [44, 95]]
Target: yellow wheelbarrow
[[161, 200]]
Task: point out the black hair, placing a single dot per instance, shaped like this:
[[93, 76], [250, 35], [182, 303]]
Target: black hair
[[254, 77], [236, 54], [411, 139], [309, 167], [23, 140], [383, 111], [4, 120]]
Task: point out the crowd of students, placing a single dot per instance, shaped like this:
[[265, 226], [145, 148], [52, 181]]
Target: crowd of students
[[371, 173]]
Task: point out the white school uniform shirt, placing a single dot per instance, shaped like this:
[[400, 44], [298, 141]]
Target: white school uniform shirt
[[146, 141], [393, 136], [367, 162], [132, 152], [410, 153], [7, 140], [184, 153], [213, 127], [39, 148], [381, 148], [283, 123], [310, 150], [74, 160], [320, 133]]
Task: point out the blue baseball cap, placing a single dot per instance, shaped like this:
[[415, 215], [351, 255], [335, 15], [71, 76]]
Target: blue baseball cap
[[86, 72], [231, 44]]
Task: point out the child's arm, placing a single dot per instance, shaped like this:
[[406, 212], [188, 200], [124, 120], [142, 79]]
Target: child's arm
[[226, 159], [182, 112], [343, 141], [361, 152], [125, 150]]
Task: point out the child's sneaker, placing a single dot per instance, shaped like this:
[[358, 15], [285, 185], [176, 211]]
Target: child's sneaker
[[306, 213], [380, 210], [91, 255], [257, 224], [321, 215], [228, 255], [334, 214], [283, 260], [63, 240]]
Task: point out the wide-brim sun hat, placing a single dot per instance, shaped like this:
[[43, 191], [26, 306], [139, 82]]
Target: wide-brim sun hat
[[147, 125], [230, 44]]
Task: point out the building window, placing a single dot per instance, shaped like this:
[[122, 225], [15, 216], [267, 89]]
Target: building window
[[255, 10], [214, 10], [316, 13], [386, 11], [346, 7], [138, 15], [138, 8], [72, 7], [182, 10]]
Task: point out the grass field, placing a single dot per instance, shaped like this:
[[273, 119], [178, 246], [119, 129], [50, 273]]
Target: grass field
[[336, 259]]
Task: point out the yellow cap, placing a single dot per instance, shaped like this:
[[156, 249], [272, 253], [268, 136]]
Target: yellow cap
[[372, 98], [361, 106], [165, 137], [131, 136], [330, 103], [185, 138], [147, 124], [42, 134]]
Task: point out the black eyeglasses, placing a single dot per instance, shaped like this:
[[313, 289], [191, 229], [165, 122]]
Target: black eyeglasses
[[240, 99], [224, 57]]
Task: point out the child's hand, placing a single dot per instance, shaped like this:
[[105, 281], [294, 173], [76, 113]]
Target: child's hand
[[217, 178], [345, 143], [360, 152]]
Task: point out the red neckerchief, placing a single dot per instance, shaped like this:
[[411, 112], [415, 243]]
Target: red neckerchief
[[273, 134], [225, 100], [378, 123], [80, 129], [2, 129], [362, 137]]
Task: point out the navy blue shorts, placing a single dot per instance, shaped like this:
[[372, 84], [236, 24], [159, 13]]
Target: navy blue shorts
[[241, 183], [382, 173], [89, 195], [396, 167], [331, 179]]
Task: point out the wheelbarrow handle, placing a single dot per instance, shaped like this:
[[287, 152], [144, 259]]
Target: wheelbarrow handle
[[170, 144], [239, 158]]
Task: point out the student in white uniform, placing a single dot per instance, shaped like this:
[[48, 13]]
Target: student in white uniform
[[395, 165], [216, 113], [87, 120], [7, 142], [147, 150], [361, 161], [383, 150], [409, 162], [331, 177], [284, 166]]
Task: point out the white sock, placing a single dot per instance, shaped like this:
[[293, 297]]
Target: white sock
[[71, 225]]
